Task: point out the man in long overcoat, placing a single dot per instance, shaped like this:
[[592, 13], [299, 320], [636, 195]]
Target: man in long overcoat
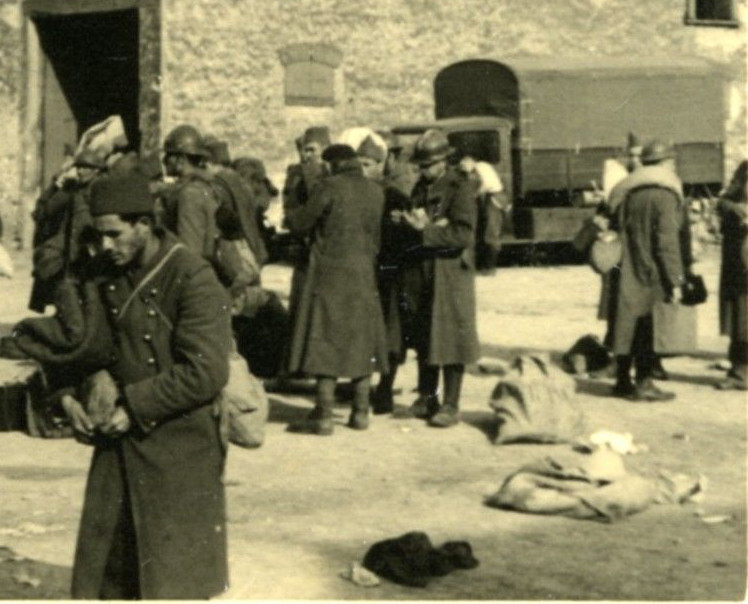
[[339, 330], [733, 285], [153, 523], [650, 223], [301, 179], [439, 280], [395, 239]]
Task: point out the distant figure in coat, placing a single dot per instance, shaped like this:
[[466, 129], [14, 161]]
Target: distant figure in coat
[[649, 220], [154, 519], [733, 286], [439, 280], [395, 239], [300, 181], [339, 330], [190, 207]]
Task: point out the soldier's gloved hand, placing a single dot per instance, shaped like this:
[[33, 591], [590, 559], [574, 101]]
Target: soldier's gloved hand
[[82, 425], [118, 424]]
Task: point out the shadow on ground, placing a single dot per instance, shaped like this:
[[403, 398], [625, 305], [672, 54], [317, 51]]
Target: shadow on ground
[[24, 579]]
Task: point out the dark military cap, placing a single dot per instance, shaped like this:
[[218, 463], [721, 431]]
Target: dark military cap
[[335, 153]]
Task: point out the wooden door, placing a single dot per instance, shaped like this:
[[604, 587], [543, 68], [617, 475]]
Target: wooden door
[[59, 126]]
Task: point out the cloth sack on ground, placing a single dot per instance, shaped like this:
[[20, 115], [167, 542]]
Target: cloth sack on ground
[[586, 486], [412, 560], [587, 354], [536, 402], [243, 406]]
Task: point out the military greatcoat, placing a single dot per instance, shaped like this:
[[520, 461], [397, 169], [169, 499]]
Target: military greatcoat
[[439, 279], [171, 360], [650, 222], [339, 330], [190, 213]]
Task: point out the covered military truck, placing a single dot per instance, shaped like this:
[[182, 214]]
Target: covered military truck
[[548, 124]]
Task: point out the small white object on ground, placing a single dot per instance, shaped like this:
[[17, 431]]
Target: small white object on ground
[[360, 576]]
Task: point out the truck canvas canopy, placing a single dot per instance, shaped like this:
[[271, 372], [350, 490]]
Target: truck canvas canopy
[[572, 103]]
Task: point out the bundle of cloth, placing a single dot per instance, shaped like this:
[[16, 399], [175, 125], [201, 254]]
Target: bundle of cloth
[[588, 484], [412, 560]]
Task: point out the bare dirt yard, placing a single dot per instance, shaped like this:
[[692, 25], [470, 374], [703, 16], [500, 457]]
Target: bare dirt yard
[[301, 508]]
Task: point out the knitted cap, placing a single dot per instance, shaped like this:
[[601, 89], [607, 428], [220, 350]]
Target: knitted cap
[[121, 194]]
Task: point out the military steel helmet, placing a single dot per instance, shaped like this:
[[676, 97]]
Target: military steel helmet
[[656, 151], [185, 140], [431, 147]]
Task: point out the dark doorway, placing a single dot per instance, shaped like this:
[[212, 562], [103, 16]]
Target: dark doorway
[[91, 72]]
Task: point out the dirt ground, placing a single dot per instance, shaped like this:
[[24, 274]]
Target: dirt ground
[[301, 508]]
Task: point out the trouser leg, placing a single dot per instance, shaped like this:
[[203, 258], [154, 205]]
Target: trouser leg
[[643, 349], [383, 397], [738, 353], [359, 419], [453, 384], [448, 415], [428, 378], [319, 421], [121, 577]]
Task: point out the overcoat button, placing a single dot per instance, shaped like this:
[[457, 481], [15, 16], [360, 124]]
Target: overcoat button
[[154, 291], [151, 313], [115, 311], [112, 287], [147, 337], [151, 361]]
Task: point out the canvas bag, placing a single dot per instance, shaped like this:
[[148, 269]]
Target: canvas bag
[[535, 402], [242, 406]]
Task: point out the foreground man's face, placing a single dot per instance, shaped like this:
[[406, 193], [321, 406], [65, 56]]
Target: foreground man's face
[[122, 241]]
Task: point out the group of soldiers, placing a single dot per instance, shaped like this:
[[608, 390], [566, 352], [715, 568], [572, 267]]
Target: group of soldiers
[[383, 262]]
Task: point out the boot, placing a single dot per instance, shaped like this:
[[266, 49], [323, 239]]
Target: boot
[[427, 403], [624, 387], [658, 371], [359, 419], [449, 414], [647, 392], [319, 421], [382, 399]]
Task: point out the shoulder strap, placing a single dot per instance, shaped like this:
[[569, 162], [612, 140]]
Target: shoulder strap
[[149, 277]]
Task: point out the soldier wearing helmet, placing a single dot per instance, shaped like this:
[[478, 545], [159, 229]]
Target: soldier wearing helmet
[[439, 285], [189, 210], [656, 257]]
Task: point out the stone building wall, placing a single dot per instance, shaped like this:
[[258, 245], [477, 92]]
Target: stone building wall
[[222, 70], [10, 83]]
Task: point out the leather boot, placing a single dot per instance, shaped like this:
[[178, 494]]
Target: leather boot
[[319, 421], [382, 398], [359, 419], [624, 386], [449, 414], [646, 392], [427, 403]]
